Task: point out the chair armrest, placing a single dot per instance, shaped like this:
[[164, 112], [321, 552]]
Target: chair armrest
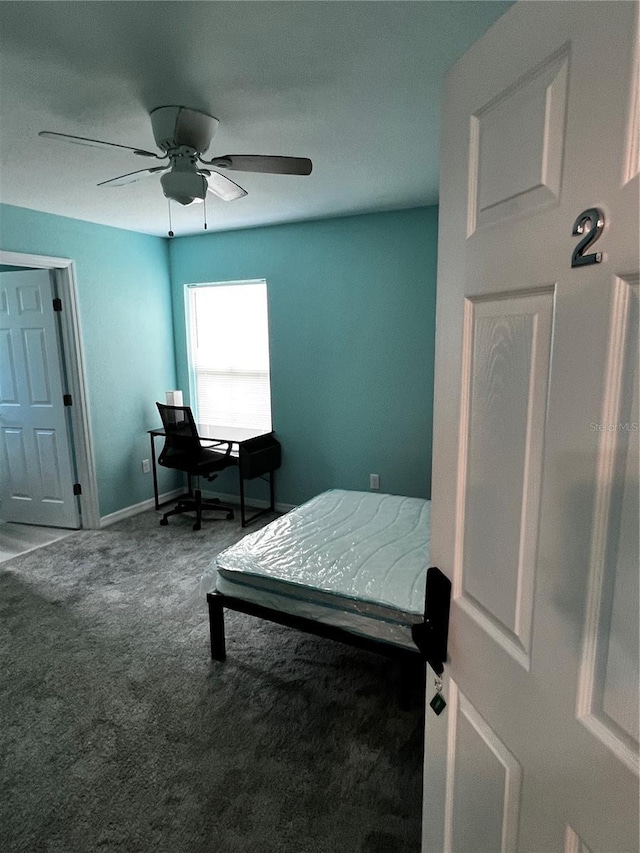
[[211, 443]]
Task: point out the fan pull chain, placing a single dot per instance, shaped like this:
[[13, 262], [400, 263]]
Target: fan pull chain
[[170, 226], [205, 212]]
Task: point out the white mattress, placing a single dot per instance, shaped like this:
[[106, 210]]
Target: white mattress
[[353, 559]]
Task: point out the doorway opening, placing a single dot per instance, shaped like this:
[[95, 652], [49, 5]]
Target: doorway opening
[[62, 274]]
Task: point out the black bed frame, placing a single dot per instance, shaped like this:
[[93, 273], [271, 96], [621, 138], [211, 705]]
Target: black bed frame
[[430, 636]]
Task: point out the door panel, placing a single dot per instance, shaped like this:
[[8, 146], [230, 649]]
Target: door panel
[[37, 471], [535, 476], [505, 350], [607, 699], [15, 455], [37, 363], [482, 768], [517, 143], [9, 383]]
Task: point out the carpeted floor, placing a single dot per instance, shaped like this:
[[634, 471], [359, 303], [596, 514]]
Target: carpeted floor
[[17, 539], [120, 734]]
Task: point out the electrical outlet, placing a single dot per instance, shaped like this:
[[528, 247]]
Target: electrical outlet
[[146, 466], [374, 482]]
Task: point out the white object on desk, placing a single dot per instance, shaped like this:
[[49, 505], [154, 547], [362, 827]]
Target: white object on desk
[[174, 398]]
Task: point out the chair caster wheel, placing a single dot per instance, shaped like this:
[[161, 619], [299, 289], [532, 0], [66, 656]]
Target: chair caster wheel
[[229, 516], [197, 526], [164, 522]]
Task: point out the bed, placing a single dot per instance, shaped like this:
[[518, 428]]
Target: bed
[[348, 565]]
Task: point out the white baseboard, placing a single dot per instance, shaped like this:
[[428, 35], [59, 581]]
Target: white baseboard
[[143, 506], [135, 509], [249, 502]]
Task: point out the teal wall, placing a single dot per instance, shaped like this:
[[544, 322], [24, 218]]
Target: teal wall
[[125, 314], [352, 327], [352, 311]]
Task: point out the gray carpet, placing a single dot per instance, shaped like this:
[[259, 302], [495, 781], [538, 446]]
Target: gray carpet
[[120, 734]]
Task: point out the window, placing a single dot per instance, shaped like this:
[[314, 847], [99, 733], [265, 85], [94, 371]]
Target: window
[[228, 345]]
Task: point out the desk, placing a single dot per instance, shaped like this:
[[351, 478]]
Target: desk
[[258, 453]]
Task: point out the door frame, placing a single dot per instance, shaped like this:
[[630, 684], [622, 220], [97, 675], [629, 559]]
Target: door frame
[[64, 274]]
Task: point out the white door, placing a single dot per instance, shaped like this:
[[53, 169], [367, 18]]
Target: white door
[[535, 479], [36, 470]]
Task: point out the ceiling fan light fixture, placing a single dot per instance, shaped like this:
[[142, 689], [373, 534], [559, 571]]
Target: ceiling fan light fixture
[[184, 187]]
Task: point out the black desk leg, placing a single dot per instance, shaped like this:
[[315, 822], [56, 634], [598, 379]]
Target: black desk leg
[[155, 473], [243, 520], [272, 502]]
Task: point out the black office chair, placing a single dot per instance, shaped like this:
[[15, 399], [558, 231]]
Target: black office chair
[[183, 451]]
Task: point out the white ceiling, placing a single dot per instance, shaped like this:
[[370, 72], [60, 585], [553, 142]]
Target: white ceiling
[[355, 86]]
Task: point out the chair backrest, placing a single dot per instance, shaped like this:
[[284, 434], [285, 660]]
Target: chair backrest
[[181, 444]]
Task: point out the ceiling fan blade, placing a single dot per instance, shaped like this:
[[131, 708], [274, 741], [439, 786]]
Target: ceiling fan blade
[[222, 186], [95, 143], [260, 163], [132, 177]]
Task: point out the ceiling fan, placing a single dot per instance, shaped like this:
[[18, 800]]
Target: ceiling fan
[[183, 135]]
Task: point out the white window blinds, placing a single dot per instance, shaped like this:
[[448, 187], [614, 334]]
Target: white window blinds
[[228, 332]]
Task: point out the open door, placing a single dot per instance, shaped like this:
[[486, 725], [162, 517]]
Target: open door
[[36, 466], [535, 476]]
